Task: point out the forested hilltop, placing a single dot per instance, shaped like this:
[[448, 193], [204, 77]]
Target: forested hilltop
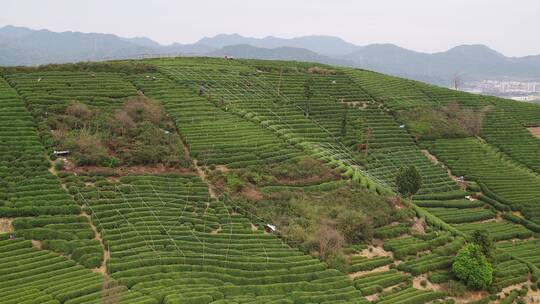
[[207, 180]]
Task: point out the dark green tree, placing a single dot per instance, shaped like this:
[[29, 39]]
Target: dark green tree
[[484, 240], [308, 93], [472, 267], [344, 124], [408, 181]]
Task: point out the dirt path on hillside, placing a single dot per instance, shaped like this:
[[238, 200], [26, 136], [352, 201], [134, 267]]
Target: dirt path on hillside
[[106, 254], [53, 171], [436, 161], [202, 175], [200, 171]]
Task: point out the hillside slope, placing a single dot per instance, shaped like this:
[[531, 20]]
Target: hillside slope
[[205, 180]]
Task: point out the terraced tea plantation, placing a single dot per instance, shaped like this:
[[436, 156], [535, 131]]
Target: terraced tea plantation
[[206, 180]]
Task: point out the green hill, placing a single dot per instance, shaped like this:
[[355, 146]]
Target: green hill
[[204, 180]]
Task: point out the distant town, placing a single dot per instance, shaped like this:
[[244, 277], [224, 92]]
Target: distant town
[[517, 90]]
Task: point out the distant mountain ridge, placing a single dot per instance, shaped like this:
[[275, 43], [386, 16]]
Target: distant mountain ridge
[[324, 45], [24, 46]]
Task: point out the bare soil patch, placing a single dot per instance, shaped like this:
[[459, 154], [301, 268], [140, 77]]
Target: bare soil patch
[[361, 273], [361, 105], [252, 194], [37, 244], [121, 171], [5, 224], [417, 283], [222, 168], [375, 251], [216, 231], [535, 131], [469, 297], [532, 297], [419, 226]]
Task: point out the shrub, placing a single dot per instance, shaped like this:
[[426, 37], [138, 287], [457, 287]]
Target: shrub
[[471, 266], [330, 241], [355, 226], [454, 288], [484, 241], [79, 110], [408, 181], [143, 109], [59, 165]]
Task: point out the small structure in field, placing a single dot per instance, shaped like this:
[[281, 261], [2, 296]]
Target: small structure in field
[[270, 228], [61, 153]]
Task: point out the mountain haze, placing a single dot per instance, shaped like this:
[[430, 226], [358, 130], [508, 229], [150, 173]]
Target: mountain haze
[[24, 46]]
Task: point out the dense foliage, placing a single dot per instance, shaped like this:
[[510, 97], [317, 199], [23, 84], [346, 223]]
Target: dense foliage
[[408, 181], [483, 239], [472, 267], [446, 121], [138, 133]]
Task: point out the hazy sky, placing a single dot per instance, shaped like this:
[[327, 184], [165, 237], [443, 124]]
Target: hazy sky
[[509, 26]]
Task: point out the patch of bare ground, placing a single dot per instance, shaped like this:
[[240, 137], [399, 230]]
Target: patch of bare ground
[[251, 193], [216, 231], [374, 251], [361, 273], [535, 131], [419, 226], [517, 213], [121, 171], [375, 297], [533, 296], [529, 298], [361, 105], [5, 224], [498, 218], [222, 168], [422, 282], [469, 296], [106, 253], [37, 244], [253, 227]]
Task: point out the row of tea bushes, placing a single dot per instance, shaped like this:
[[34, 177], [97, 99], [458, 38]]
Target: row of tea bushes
[[31, 194], [29, 275], [476, 161], [164, 228], [214, 136]]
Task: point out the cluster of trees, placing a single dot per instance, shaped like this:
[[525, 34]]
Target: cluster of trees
[[322, 219], [137, 133], [450, 121], [472, 263]]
